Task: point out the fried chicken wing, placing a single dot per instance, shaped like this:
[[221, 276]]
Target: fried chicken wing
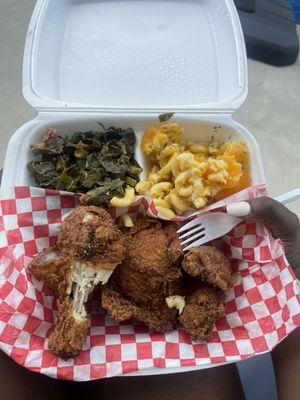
[[121, 309], [205, 302], [88, 249], [202, 309], [210, 265]]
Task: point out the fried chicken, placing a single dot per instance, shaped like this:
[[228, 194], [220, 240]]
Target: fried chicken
[[89, 233], [209, 265], [88, 249], [153, 282], [150, 273], [157, 288], [121, 309], [174, 249], [202, 309], [53, 267], [205, 303], [70, 331]]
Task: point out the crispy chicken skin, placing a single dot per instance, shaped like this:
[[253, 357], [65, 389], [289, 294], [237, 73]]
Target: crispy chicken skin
[[88, 249], [205, 303], [210, 265], [121, 309], [202, 309], [175, 249], [69, 334], [90, 233], [146, 278], [52, 267]]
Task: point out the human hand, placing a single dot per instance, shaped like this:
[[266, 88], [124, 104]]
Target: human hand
[[282, 223]]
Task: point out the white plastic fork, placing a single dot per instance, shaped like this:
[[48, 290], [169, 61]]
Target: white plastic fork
[[211, 226]]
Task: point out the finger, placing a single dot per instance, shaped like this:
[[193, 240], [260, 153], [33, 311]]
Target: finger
[[239, 209], [282, 222], [292, 252]]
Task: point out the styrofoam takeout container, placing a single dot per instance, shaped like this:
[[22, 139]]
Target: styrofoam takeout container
[[124, 62]]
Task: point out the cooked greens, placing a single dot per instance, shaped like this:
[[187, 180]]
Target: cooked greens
[[99, 164]]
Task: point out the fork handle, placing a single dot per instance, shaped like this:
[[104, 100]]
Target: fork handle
[[289, 196]]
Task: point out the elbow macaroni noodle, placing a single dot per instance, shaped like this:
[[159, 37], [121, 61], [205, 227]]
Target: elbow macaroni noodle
[[125, 201], [127, 221], [187, 174]]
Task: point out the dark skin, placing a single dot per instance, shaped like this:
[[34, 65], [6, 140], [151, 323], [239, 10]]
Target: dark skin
[[282, 223], [211, 384]]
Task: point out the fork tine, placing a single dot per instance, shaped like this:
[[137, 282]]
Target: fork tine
[[189, 225], [194, 237], [189, 233], [198, 243]]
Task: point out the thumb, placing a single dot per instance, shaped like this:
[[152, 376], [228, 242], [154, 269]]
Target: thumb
[[282, 223]]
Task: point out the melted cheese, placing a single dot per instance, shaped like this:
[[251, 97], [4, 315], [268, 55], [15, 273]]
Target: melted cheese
[[83, 281]]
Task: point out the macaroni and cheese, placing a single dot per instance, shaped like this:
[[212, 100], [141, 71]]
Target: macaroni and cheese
[[187, 174]]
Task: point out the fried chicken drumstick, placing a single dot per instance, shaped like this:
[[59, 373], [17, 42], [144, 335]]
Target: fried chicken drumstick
[[88, 249]]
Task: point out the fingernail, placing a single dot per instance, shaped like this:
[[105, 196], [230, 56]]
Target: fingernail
[[240, 209]]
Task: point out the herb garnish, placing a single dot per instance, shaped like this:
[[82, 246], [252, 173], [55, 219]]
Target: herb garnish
[[165, 117]]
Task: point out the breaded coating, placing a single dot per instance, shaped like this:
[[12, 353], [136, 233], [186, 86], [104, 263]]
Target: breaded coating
[[175, 248], [90, 233], [202, 309], [52, 267], [120, 310], [69, 334], [210, 265], [116, 305], [147, 275], [89, 247], [145, 279]]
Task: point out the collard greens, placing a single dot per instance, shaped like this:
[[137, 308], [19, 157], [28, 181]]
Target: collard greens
[[99, 164]]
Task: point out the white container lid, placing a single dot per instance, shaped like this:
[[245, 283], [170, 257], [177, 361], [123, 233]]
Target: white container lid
[[135, 56]]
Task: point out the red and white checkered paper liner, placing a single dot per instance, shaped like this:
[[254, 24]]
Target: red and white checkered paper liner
[[263, 305]]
